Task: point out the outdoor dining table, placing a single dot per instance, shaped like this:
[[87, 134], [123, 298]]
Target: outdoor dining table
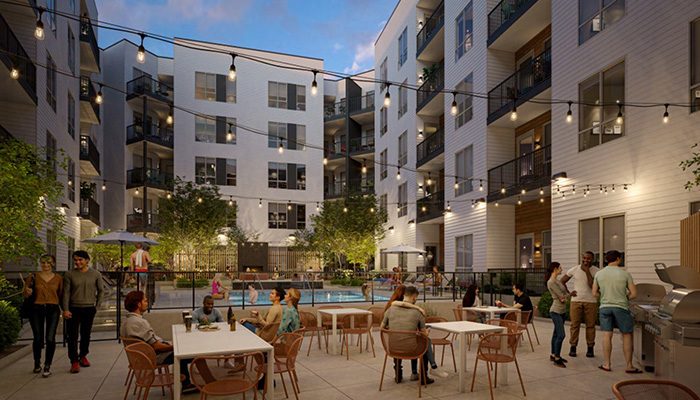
[[491, 311], [334, 313], [462, 329], [218, 342]]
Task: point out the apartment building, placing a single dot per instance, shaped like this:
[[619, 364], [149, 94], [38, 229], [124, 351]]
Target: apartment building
[[497, 157], [50, 102]]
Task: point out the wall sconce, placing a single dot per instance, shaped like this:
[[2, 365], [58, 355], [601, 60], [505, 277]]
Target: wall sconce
[[420, 188], [481, 201], [538, 248], [559, 176], [391, 230], [412, 222]]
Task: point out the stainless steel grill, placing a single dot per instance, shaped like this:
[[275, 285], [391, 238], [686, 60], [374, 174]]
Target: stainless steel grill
[[648, 299]]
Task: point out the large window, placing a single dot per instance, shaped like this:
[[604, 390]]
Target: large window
[[205, 170], [402, 207], [290, 136], [383, 75], [464, 253], [464, 102], [50, 81], [403, 99], [464, 26], [71, 184], [383, 121], [51, 242], [382, 164], [403, 148], [695, 65], [464, 168], [51, 151], [600, 235], [71, 115], [403, 47], [383, 205], [286, 216], [204, 129], [694, 207], [230, 178], [286, 95], [286, 176], [598, 123], [596, 15], [71, 50], [214, 87]]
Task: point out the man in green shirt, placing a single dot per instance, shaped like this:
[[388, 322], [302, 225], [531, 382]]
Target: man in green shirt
[[615, 287]]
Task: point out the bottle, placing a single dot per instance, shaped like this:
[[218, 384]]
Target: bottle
[[231, 319], [229, 314]]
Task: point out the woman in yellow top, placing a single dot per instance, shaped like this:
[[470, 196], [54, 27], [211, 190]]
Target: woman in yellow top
[[46, 288]]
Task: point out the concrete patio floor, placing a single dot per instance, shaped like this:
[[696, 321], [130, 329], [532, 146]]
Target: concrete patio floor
[[323, 376]]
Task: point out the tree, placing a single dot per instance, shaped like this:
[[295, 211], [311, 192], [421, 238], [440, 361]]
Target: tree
[[692, 164], [107, 255], [30, 198]]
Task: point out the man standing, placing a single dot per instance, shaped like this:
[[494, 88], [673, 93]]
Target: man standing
[[140, 259], [82, 294], [616, 288], [584, 306], [207, 314]]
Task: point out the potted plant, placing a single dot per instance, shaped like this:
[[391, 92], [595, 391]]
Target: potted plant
[[87, 190]]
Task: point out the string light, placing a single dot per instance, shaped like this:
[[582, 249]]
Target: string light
[[325, 160], [260, 203], [624, 187], [104, 186], [14, 73], [665, 118], [387, 96], [98, 96], [453, 109], [541, 191], [601, 189], [314, 85], [503, 189], [573, 190], [481, 186], [230, 201], [569, 114], [495, 204], [371, 209], [137, 191], [519, 201], [522, 191], [141, 52], [473, 204], [318, 208], [619, 119], [280, 149], [232, 68], [39, 30], [563, 195], [587, 191], [448, 209], [456, 184], [70, 182], [429, 181], [345, 209], [229, 135], [606, 191], [168, 196], [200, 200], [541, 199], [424, 209], [169, 118], [364, 166], [514, 113], [289, 205], [398, 173]]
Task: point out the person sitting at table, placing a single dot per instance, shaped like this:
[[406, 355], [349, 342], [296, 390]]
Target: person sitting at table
[[207, 314], [521, 300], [274, 315], [396, 296], [135, 326], [290, 314], [218, 291], [471, 297]]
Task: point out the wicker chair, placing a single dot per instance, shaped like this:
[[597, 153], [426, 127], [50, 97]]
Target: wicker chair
[[490, 352], [440, 338], [525, 317], [642, 389], [146, 373], [268, 332], [360, 327], [211, 379], [404, 345], [286, 351], [310, 325]]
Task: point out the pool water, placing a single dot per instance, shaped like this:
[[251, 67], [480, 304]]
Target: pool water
[[319, 296]]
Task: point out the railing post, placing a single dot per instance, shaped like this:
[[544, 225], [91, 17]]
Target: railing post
[[313, 294], [119, 302], [242, 295], [193, 290]]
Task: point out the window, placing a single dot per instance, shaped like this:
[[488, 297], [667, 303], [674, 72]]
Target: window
[[402, 206], [382, 121], [70, 182], [403, 148], [277, 95], [51, 16], [464, 26], [464, 168], [383, 205], [301, 176], [71, 5], [70, 244], [50, 80], [51, 242], [277, 215], [464, 102], [383, 75], [277, 134], [205, 170], [71, 50], [204, 129], [403, 47], [694, 207], [230, 172], [382, 164], [464, 253], [286, 176], [71, 116], [301, 216], [596, 15], [214, 87], [230, 88], [403, 98], [51, 151], [301, 97], [597, 124], [600, 235], [695, 65]]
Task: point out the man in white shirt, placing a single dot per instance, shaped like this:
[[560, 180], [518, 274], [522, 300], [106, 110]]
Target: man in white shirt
[[584, 307]]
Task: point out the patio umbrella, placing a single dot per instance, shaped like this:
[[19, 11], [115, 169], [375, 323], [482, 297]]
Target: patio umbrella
[[403, 249], [120, 237]]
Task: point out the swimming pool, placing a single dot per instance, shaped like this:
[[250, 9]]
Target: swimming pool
[[319, 296]]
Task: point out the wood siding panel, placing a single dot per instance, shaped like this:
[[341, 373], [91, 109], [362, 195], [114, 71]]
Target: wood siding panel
[[535, 44], [690, 242], [534, 217]]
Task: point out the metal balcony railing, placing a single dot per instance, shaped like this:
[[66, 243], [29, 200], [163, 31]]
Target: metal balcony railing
[[530, 171], [521, 85], [89, 209], [13, 55], [88, 93], [431, 87], [430, 206], [430, 29], [141, 222], [362, 103], [154, 133], [346, 187], [504, 14], [431, 147], [362, 144], [150, 177], [88, 151], [145, 85], [87, 34], [334, 110]]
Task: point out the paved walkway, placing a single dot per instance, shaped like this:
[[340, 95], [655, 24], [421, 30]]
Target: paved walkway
[[322, 376]]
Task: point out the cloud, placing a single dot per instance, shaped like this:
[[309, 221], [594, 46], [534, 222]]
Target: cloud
[[337, 46], [364, 55]]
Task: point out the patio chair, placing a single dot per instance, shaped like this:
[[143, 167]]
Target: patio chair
[[511, 326], [148, 350], [286, 351], [360, 327], [652, 389], [377, 315], [145, 371], [309, 324], [211, 379], [268, 332], [490, 352], [327, 320], [440, 338], [525, 317], [404, 345], [532, 322]]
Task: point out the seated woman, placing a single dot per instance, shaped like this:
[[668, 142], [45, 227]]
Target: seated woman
[[290, 314], [218, 291]]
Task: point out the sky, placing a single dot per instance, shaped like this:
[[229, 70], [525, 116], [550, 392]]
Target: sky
[[341, 32]]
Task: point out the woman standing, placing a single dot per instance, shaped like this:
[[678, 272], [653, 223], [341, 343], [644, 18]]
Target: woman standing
[[557, 311], [290, 314], [47, 288]]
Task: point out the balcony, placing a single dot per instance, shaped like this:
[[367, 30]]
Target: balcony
[[343, 188], [528, 172], [524, 84], [150, 177], [13, 55], [429, 97], [89, 109], [145, 85], [89, 157], [512, 23], [159, 135], [430, 207], [89, 50], [431, 147], [141, 222], [362, 145], [430, 39], [90, 210], [362, 104], [334, 110]]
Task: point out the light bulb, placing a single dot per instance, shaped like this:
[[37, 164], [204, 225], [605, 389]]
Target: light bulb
[[200, 200], [14, 73], [398, 174], [289, 206], [541, 199], [387, 98], [230, 203], [169, 119], [541, 191], [519, 201], [495, 204], [371, 209], [137, 191], [280, 149], [619, 120], [39, 30], [141, 52], [98, 97], [453, 109], [420, 134], [481, 186], [260, 203], [456, 185], [569, 114], [314, 85], [503, 190], [364, 168], [514, 114], [104, 186], [345, 209], [325, 161], [665, 118], [232, 68], [317, 207], [448, 209], [522, 191]]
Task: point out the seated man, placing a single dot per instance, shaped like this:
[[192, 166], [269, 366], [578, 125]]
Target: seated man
[[135, 326], [521, 301], [274, 315], [406, 316], [207, 314]]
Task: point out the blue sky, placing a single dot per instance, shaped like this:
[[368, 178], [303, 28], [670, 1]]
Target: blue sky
[[342, 32]]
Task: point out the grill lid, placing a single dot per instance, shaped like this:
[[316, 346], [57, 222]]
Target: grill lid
[[649, 293], [682, 306], [678, 276]]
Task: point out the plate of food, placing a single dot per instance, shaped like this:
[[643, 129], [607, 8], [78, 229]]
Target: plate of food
[[207, 327]]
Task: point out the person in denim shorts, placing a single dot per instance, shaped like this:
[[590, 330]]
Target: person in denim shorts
[[615, 287]]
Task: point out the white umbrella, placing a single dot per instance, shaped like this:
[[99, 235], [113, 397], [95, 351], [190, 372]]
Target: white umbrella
[[120, 237], [402, 248]]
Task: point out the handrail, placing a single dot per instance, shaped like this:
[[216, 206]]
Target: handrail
[[13, 55], [430, 147], [528, 171], [503, 12], [431, 87], [151, 87], [89, 152], [149, 177], [154, 133], [360, 103], [90, 209], [334, 110], [432, 25], [87, 34], [430, 206], [141, 220], [522, 81], [88, 93], [362, 144]]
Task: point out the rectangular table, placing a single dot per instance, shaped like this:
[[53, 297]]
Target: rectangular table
[[462, 329], [334, 313], [200, 343], [491, 311]]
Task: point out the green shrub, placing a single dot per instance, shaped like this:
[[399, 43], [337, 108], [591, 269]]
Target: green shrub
[[187, 283], [10, 292], [544, 304], [9, 325], [347, 281]]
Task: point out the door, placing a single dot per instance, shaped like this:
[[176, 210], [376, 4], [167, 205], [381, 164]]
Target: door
[[525, 250], [546, 248], [431, 256], [526, 145], [525, 79]]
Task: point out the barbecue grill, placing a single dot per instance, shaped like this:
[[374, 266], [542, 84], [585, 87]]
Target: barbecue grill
[[648, 299]]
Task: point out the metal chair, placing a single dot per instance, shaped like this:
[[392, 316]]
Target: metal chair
[[490, 350], [309, 324], [268, 332], [211, 379], [377, 315], [145, 370], [404, 345], [532, 322], [525, 317], [361, 327], [286, 351], [440, 338], [652, 389]]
